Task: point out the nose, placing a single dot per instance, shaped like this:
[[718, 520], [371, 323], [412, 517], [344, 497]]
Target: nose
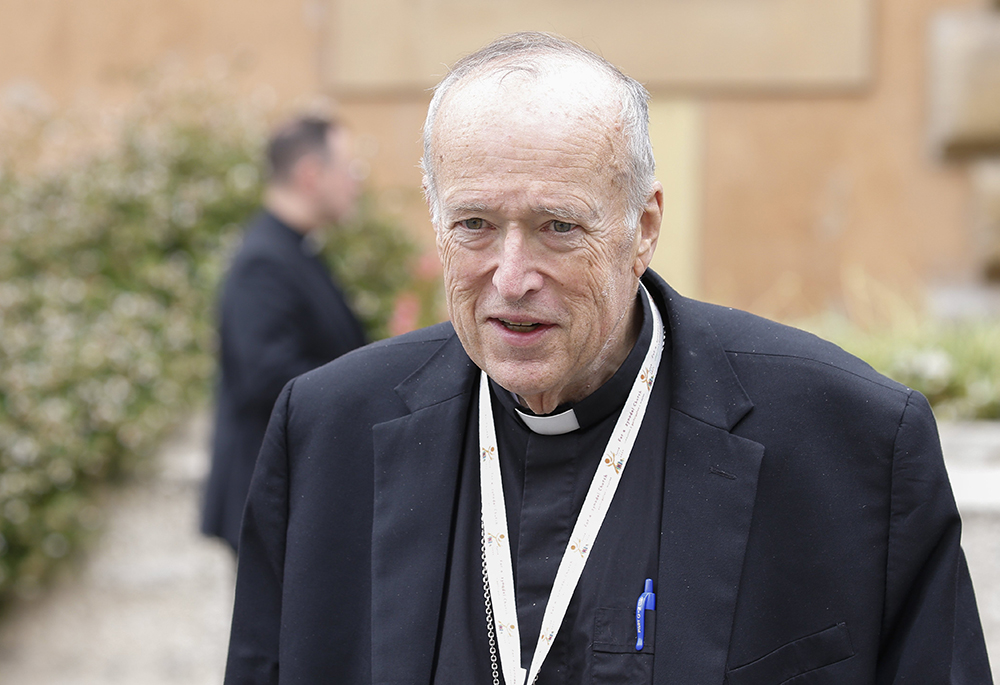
[[516, 275]]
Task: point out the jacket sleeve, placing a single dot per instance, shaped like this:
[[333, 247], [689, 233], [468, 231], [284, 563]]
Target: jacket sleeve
[[254, 640], [931, 631]]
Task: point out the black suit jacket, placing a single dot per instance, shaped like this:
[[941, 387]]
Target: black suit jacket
[[280, 315], [809, 531]]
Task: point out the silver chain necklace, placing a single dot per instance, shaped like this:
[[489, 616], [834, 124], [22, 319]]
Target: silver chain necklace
[[489, 613]]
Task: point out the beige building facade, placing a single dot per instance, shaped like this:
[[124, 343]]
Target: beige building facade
[[792, 136]]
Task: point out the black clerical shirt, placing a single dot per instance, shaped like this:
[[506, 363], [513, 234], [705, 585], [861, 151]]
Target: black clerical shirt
[[545, 480]]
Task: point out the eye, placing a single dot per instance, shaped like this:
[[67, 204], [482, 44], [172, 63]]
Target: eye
[[562, 226], [472, 224]]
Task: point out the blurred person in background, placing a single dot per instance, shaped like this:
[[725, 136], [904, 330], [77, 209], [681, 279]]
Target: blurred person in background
[[281, 313], [586, 477]]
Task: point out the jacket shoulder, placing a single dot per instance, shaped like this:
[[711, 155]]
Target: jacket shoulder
[[746, 335], [262, 242], [370, 373]]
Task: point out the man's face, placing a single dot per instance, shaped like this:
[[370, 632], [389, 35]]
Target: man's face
[[337, 189], [540, 269]]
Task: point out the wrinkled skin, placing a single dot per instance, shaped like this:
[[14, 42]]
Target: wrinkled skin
[[541, 271]]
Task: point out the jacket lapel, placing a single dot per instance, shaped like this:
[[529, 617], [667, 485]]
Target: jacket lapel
[[414, 493], [709, 492]]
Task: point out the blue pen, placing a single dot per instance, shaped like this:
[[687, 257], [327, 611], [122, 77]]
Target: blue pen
[[647, 601]]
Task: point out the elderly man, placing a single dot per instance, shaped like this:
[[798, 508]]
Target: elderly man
[[281, 314], [585, 477]]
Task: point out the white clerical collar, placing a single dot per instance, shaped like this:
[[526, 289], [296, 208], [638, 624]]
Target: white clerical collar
[[557, 424], [498, 576]]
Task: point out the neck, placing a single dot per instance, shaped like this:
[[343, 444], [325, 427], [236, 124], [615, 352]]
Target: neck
[[292, 209]]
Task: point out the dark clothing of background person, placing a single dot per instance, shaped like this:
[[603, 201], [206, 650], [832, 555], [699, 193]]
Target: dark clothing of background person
[[281, 314]]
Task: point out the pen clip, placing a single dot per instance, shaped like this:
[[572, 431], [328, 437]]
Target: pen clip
[[647, 602]]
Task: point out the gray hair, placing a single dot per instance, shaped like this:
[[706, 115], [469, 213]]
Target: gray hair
[[524, 52]]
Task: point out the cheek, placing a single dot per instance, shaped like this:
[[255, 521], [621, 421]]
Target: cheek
[[463, 267], [592, 277], [446, 253], [453, 256], [601, 294], [459, 279]]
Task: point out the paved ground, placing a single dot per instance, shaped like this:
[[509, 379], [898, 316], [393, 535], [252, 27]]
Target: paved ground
[[152, 602], [972, 452]]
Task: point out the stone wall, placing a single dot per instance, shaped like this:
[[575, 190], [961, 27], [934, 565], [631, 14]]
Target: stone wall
[[796, 138], [67, 51]]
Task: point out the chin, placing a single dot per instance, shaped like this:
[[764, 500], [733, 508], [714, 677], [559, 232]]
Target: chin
[[522, 381]]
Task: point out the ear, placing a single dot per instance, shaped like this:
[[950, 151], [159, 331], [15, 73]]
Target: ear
[[649, 229]]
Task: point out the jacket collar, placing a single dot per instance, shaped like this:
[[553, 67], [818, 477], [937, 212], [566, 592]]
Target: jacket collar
[[447, 373], [710, 486], [278, 227], [705, 386], [416, 477]]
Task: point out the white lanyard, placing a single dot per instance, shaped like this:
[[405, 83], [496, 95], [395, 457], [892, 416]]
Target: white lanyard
[[595, 507]]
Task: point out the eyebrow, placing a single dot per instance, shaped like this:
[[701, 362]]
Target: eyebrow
[[566, 213], [467, 208]]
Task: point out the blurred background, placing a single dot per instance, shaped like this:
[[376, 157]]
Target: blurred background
[[835, 165]]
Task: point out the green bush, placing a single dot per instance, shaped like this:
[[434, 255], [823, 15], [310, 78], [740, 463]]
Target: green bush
[[956, 365], [390, 286], [109, 265]]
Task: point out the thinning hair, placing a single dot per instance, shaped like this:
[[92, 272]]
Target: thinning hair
[[293, 140], [528, 52]]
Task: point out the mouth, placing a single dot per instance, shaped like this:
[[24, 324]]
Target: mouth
[[519, 326]]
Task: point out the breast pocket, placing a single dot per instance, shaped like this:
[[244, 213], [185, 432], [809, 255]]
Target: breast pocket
[[797, 658], [615, 659]]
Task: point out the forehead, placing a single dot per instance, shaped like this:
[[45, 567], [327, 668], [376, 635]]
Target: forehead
[[558, 126]]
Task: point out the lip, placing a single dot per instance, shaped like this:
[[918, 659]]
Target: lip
[[518, 330]]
